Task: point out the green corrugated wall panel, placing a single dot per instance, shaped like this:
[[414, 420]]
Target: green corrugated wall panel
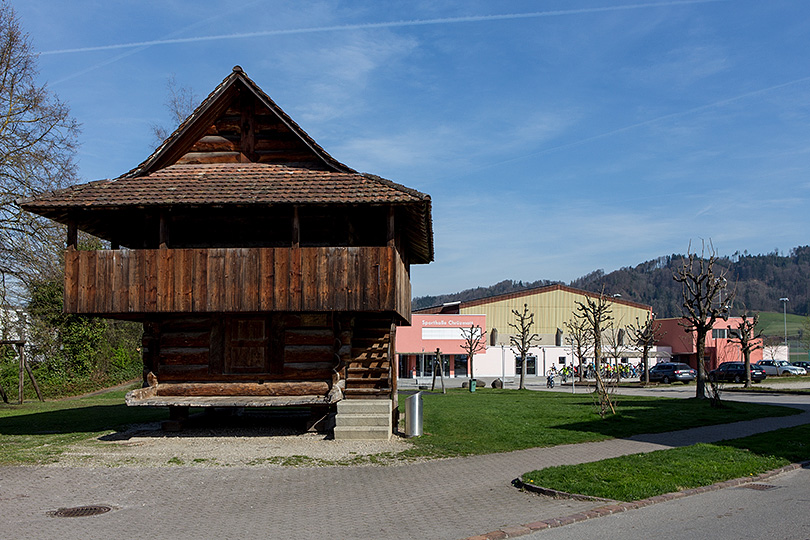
[[551, 310]]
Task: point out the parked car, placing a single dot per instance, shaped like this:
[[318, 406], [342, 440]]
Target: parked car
[[668, 372], [780, 367], [735, 372], [802, 364]]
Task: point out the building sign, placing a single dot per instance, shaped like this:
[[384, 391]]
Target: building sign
[[429, 332]]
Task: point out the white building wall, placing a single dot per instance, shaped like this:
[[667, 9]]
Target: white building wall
[[500, 361]]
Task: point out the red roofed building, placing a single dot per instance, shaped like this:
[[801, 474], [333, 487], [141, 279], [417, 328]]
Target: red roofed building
[[719, 347], [265, 271]]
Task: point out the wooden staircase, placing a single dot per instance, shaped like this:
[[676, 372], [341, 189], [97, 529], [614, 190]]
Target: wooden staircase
[[369, 373]]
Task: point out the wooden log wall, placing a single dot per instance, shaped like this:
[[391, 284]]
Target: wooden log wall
[[250, 132], [233, 280], [231, 354]]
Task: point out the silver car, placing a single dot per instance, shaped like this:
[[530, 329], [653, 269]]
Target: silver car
[[780, 367]]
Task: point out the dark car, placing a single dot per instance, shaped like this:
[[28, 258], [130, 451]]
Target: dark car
[[668, 372], [735, 372], [802, 363]]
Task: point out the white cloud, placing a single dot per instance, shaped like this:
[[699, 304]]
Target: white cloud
[[334, 75]]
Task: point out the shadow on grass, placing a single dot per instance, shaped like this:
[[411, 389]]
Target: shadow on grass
[[124, 422], [789, 443], [654, 420], [88, 419]]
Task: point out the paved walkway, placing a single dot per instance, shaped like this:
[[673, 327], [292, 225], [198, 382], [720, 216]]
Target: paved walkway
[[447, 499]]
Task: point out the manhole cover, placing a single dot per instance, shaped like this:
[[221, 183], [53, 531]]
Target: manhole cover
[[81, 511], [759, 487]]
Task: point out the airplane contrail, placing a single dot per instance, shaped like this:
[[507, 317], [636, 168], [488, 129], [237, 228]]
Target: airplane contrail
[[389, 24], [630, 127]]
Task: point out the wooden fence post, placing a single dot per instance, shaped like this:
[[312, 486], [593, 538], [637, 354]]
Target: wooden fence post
[[22, 379], [30, 373]]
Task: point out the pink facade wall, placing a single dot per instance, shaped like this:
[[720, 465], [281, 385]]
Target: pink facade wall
[[409, 339], [718, 349], [430, 332]]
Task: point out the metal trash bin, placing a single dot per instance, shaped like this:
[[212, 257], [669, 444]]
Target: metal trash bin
[[413, 415]]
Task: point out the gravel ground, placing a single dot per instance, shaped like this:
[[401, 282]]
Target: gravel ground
[[231, 441]]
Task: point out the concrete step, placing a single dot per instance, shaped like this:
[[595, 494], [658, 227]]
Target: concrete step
[[367, 433], [364, 419], [359, 420], [365, 406]]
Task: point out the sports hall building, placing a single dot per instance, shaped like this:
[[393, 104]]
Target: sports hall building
[[443, 328]]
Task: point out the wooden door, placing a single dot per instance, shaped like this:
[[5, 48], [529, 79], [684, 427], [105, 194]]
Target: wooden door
[[247, 345]]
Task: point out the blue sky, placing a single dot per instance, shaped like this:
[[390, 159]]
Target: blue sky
[[554, 137]]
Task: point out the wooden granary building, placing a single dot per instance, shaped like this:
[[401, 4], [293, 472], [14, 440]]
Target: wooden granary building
[[265, 272]]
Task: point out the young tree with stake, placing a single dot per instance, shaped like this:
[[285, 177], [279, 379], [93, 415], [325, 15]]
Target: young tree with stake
[[644, 335], [595, 314], [749, 340], [522, 339], [473, 343], [701, 286]]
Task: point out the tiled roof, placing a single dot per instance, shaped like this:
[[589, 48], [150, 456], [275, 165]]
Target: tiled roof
[[230, 183]]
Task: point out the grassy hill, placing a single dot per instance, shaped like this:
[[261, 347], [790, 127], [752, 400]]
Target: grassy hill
[[773, 324]]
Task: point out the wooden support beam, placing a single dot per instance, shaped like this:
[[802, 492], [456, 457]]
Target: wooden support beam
[[296, 228], [392, 233], [72, 235], [163, 234], [248, 129]]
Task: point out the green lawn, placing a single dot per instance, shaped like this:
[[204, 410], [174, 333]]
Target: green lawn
[[488, 421], [639, 476], [456, 423], [37, 432]]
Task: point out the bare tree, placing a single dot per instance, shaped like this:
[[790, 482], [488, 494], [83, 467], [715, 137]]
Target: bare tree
[[644, 335], [772, 346], [613, 345], [595, 313], [579, 339], [473, 343], [701, 286], [522, 339], [37, 149], [748, 338], [180, 103]]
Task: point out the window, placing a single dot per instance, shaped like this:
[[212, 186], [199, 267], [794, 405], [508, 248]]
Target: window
[[451, 333], [531, 365], [719, 333], [561, 360], [460, 365]]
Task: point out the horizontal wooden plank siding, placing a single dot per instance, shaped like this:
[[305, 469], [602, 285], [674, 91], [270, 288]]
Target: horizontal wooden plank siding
[[237, 280]]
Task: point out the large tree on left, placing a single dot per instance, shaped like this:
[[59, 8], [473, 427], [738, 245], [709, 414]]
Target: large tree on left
[[38, 140]]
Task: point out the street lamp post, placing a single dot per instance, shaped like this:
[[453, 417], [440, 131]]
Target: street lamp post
[[784, 301]]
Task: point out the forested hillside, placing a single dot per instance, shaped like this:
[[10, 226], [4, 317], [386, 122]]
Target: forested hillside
[[759, 281]]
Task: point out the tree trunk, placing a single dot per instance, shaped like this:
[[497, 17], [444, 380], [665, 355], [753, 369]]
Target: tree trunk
[[522, 374], [645, 352], [747, 367], [700, 391]]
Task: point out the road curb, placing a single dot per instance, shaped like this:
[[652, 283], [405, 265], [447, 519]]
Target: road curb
[[615, 507]]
